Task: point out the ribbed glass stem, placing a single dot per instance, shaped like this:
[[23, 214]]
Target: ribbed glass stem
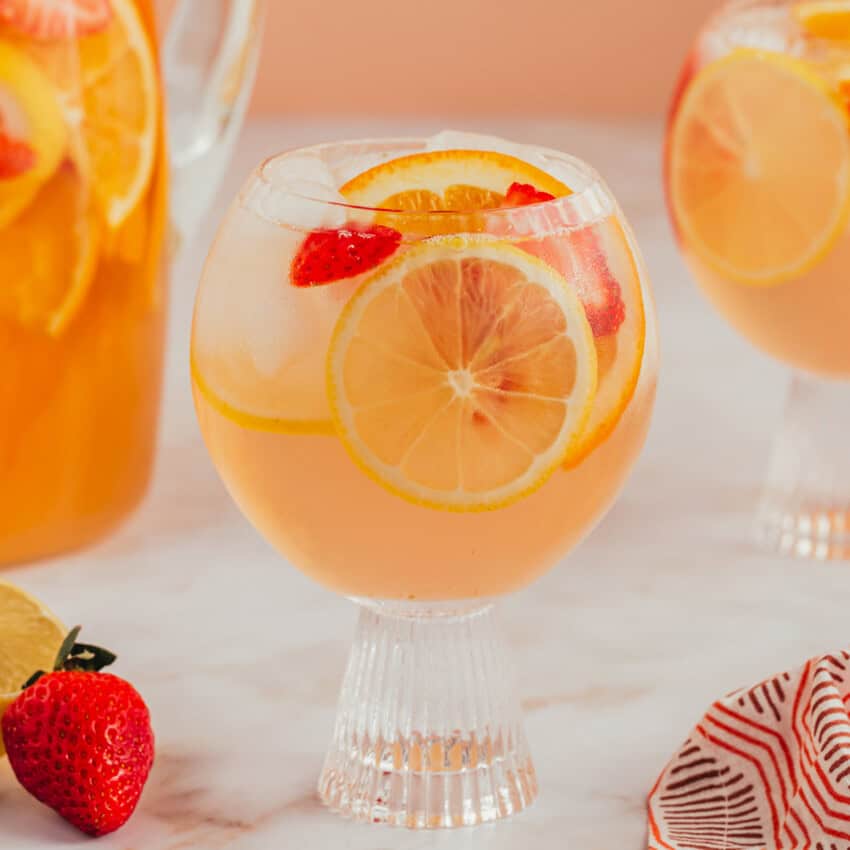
[[805, 507], [428, 731]]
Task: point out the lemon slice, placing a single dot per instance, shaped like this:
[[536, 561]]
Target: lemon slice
[[109, 92], [30, 112], [828, 19], [30, 637], [48, 255], [759, 167], [462, 374], [270, 423]]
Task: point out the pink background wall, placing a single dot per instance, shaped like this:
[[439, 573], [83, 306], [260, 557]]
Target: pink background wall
[[474, 57]]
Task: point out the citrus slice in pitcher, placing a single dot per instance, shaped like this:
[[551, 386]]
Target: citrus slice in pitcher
[[30, 637], [827, 19], [32, 131], [759, 167], [55, 19], [109, 91], [461, 375], [48, 255]]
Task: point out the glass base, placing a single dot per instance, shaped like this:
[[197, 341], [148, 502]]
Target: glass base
[[805, 506], [819, 534], [428, 731]]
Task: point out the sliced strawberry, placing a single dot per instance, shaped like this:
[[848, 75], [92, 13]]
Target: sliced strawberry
[[604, 305], [16, 157], [523, 194], [329, 255], [599, 290], [55, 19]]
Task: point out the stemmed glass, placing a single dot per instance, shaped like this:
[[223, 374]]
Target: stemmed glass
[[424, 401], [758, 181]]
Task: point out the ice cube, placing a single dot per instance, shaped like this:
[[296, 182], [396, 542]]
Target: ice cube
[[770, 28], [296, 168], [272, 330], [299, 190], [305, 204], [461, 140]]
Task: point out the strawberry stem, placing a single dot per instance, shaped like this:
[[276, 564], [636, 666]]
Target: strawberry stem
[[67, 647], [76, 656]]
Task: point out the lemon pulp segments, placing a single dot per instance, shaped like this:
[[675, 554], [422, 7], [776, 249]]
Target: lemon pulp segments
[[461, 375]]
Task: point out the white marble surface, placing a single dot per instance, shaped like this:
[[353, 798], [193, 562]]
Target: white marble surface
[[620, 649]]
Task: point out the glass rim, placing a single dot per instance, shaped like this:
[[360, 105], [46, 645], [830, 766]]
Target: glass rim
[[582, 207]]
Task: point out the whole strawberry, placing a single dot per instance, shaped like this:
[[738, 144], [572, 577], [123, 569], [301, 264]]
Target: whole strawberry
[[80, 741]]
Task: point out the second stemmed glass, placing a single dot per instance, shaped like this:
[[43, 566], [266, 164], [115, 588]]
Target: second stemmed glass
[[424, 392], [758, 178]]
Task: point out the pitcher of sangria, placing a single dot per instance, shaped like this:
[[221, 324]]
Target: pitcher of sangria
[[86, 226]]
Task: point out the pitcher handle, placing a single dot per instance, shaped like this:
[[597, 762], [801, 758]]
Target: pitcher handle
[[209, 61]]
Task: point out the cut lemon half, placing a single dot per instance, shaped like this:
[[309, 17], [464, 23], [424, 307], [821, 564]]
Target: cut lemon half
[[462, 374], [760, 167], [109, 92], [441, 181], [29, 112], [48, 255], [30, 638], [828, 19]]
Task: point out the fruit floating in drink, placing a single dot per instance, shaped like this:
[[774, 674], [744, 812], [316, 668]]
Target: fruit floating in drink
[[84, 221], [758, 182], [424, 372]]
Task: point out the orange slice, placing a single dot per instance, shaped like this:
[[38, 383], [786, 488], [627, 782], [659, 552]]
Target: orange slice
[[440, 181], [29, 112], [48, 255], [619, 354], [828, 19], [461, 375], [599, 263], [109, 92], [760, 167]]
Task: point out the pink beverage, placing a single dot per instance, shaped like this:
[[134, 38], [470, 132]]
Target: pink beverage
[[261, 389]]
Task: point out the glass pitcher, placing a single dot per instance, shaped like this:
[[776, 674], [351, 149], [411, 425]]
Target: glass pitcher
[[92, 199]]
